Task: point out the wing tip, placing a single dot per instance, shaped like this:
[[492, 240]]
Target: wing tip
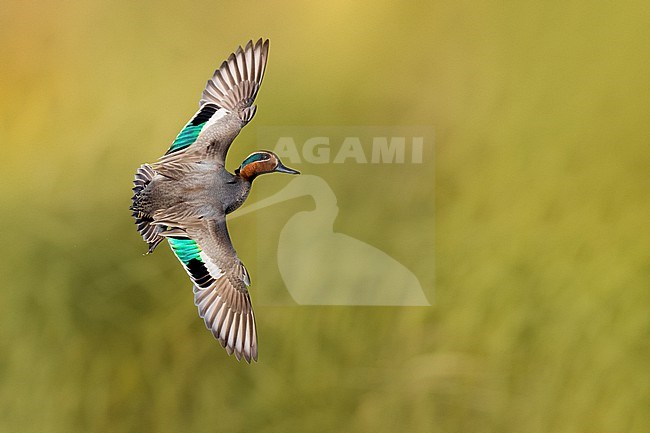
[[248, 354], [234, 85], [234, 330]]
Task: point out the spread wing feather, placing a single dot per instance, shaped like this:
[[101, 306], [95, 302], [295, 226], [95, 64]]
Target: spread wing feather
[[226, 106], [220, 280]]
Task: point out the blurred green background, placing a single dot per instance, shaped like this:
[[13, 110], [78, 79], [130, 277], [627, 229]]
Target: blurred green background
[[541, 317]]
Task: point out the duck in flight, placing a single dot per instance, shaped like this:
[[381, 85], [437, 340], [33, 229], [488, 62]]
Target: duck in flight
[[185, 196]]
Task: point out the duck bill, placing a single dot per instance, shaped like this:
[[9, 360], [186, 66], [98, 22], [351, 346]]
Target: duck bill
[[283, 169]]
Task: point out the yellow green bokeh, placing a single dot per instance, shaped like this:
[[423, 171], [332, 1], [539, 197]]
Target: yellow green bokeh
[[540, 319]]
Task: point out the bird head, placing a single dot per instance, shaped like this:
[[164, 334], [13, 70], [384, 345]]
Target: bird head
[[262, 162]]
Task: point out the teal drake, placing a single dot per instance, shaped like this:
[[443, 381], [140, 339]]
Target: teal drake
[[185, 196]]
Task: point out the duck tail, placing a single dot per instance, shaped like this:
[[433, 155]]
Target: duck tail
[[149, 232]]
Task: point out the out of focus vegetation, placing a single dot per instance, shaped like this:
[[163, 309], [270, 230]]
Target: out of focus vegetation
[[541, 290]]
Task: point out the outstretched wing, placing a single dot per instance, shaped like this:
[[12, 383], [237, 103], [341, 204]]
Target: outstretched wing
[[235, 84], [220, 280], [226, 106]]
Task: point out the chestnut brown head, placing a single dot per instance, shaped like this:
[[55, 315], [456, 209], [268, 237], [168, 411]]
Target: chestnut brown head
[[261, 162]]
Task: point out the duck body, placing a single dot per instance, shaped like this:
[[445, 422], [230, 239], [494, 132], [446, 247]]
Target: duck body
[[205, 191], [185, 196]]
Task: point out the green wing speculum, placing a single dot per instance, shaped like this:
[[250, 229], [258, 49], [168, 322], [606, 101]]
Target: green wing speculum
[[208, 114], [220, 293], [230, 92]]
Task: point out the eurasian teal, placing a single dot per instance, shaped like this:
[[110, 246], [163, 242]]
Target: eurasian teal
[[186, 195]]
